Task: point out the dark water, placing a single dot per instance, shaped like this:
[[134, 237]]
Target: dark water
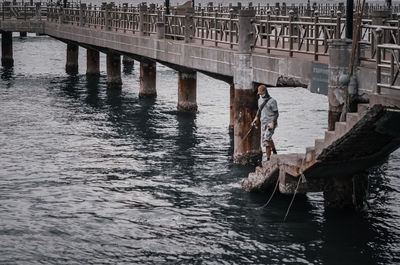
[[95, 176]]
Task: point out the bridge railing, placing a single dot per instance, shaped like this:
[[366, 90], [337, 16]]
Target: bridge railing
[[387, 61]]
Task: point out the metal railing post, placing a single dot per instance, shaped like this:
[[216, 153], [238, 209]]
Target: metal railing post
[[338, 33], [378, 36], [316, 33], [291, 18]]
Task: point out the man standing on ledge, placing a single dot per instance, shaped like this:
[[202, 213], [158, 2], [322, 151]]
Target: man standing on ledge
[[268, 115]]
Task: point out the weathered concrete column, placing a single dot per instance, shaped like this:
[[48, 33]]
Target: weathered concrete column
[[71, 66], [22, 34], [231, 106], [114, 70], [128, 61], [339, 60], [7, 49], [346, 193], [187, 90], [92, 62], [247, 149], [147, 79]]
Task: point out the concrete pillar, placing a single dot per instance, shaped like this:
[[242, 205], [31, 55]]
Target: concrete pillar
[[92, 62], [232, 109], [339, 60], [346, 193], [114, 70], [23, 34], [247, 149], [6, 49], [187, 89], [127, 61], [147, 79], [71, 67]]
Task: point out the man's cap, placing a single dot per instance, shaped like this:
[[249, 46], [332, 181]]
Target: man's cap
[[262, 89]]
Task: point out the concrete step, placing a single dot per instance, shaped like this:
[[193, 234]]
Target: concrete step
[[319, 146], [330, 137], [362, 108], [351, 120], [340, 129], [310, 156]]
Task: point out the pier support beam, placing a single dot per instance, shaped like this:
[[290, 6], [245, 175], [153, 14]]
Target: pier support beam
[[114, 70], [71, 67], [232, 109], [187, 90], [7, 49], [339, 60], [147, 79], [346, 193], [92, 62], [247, 150]]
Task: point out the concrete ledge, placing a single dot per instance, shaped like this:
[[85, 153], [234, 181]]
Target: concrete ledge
[[32, 26]]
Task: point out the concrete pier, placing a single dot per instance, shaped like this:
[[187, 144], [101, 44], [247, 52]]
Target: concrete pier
[[247, 150], [231, 107], [348, 193], [127, 63], [114, 70], [339, 60], [71, 66], [92, 62], [187, 91], [7, 49], [147, 79]]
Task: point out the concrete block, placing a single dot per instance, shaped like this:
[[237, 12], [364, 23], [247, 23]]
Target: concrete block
[[319, 146], [351, 120], [340, 129], [329, 138]]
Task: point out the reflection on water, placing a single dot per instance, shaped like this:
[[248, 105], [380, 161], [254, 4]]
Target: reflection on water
[[90, 175]]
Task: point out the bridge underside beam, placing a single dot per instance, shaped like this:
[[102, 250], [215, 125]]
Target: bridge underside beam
[[187, 90], [147, 79], [6, 49]]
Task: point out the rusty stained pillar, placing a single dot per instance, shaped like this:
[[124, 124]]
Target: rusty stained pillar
[[346, 193], [148, 72], [71, 66], [231, 108], [114, 70], [7, 49], [187, 90], [247, 150], [339, 60], [92, 62]]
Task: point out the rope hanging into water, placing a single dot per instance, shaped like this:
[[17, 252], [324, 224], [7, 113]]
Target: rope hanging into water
[[272, 195], [294, 195], [302, 177]]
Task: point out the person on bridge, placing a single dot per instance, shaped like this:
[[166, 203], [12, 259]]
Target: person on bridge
[[268, 115]]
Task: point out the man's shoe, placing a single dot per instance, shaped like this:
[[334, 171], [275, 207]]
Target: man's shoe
[[274, 151]]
